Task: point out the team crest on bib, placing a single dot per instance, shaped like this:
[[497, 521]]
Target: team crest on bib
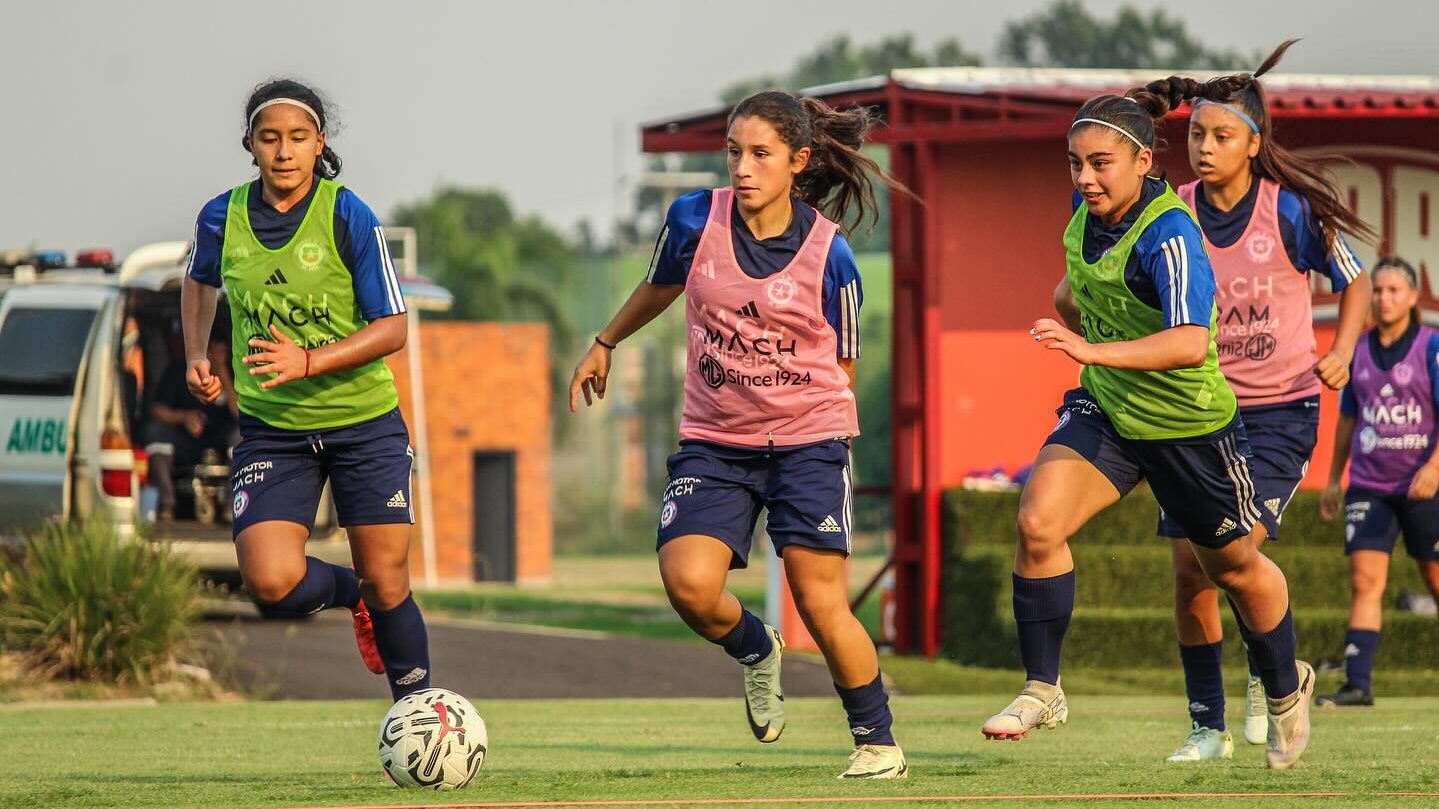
[[310, 254], [1403, 373], [781, 291], [1260, 246]]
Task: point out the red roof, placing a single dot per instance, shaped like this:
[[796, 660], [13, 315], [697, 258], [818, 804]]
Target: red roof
[[976, 103]]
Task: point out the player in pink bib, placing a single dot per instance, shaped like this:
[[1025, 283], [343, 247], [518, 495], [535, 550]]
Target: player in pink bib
[[1269, 218], [772, 301]]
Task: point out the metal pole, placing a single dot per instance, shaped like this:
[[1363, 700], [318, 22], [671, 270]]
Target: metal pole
[[422, 449]]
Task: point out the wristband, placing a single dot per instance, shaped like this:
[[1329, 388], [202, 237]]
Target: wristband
[[603, 343], [307, 364]]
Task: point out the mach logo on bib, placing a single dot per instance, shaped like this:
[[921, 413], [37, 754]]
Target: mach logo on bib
[[748, 353]]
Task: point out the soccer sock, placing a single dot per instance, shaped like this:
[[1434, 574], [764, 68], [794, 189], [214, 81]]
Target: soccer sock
[[1273, 654], [1359, 648], [404, 646], [1253, 666], [1204, 683], [323, 586], [1041, 612], [748, 642], [868, 709]]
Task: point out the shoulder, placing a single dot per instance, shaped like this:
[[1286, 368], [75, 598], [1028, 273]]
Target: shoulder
[[841, 262], [213, 212], [349, 208], [1175, 222], [1293, 209], [687, 214]]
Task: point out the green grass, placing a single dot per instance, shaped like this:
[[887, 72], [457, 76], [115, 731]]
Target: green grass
[[323, 753]]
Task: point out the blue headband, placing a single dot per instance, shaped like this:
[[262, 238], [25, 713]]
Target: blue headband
[[1243, 116]]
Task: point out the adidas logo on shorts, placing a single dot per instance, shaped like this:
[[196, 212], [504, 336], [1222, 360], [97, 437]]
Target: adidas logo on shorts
[[415, 675], [398, 501], [1225, 527], [829, 526]]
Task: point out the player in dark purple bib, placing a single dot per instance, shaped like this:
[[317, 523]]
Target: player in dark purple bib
[[1387, 435]]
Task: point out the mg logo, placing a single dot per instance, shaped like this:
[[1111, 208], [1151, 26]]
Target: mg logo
[[1397, 191]]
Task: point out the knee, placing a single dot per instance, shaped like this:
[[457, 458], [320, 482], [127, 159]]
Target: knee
[[1367, 586], [270, 587], [691, 595], [1190, 582], [1039, 534], [822, 607]]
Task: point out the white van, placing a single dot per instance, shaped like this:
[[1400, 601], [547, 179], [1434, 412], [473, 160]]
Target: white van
[[78, 343]]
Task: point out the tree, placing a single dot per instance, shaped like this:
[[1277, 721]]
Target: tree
[[1066, 35]]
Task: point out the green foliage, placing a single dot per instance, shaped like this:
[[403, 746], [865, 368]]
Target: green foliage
[[838, 59], [1125, 587], [1065, 34], [84, 604]]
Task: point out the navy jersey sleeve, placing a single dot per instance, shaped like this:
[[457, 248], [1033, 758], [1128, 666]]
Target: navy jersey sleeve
[[361, 240], [1171, 253], [679, 238], [843, 296], [204, 264], [1433, 362], [1075, 200], [1304, 242]]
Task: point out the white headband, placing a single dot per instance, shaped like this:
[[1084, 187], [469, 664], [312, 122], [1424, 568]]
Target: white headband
[[302, 105], [1121, 130]]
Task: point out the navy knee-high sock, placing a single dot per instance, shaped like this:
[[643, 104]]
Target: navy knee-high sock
[[1204, 683], [1359, 648], [1042, 608], [323, 586], [404, 646], [748, 642], [867, 706], [1273, 654]]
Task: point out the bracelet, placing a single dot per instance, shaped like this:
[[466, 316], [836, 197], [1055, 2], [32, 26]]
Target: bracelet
[[307, 364], [603, 343]]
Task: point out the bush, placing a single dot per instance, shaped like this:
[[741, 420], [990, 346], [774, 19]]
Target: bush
[[83, 604]]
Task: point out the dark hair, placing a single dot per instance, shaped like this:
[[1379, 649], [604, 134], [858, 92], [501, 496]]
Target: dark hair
[[837, 179], [328, 166], [1305, 176]]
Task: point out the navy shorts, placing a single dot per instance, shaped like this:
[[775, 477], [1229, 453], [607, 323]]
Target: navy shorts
[[1372, 520], [1203, 483], [280, 474], [718, 491], [1282, 438]]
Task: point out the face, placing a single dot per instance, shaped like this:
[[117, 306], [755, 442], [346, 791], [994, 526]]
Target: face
[[1394, 297], [286, 144], [1106, 171], [762, 167], [1220, 145]]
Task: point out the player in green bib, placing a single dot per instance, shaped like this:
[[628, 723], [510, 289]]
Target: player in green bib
[[1152, 406], [314, 308]]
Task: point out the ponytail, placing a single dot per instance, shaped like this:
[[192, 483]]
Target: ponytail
[[839, 178], [1307, 177]]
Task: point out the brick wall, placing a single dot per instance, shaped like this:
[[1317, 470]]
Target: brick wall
[[486, 388]]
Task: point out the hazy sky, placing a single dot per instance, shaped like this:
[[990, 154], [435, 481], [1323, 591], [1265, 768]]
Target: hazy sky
[[118, 120]]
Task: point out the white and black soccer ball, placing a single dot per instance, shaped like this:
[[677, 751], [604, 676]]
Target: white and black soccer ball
[[433, 739]]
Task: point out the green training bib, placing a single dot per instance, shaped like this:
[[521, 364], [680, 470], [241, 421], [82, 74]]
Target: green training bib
[[1182, 403], [307, 291]]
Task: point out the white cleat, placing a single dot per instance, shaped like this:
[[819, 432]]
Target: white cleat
[[1038, 705], [1289, 727], [1256, 713], [763, 696], [876, 761], [1204, 744]]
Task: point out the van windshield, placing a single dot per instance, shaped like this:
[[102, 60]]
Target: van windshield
[[40, 350]]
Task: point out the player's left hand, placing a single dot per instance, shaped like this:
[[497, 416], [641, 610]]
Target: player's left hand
[[1332, 370], [1425, 483], [1054, 336], [283, 358]]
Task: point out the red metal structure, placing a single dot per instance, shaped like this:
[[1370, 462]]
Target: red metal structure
[[977, 262]]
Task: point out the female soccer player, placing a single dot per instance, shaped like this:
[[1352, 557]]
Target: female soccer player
[[1393, 462], [772, 307], [1152, 406], [315, 306], [1252, 198]]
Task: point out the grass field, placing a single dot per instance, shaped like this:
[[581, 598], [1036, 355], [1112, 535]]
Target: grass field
[[323, 754]]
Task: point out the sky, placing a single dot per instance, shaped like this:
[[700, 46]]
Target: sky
[[119, 120]]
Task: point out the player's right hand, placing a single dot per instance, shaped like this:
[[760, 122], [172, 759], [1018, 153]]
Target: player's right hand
[[590, 377], [203, 385], [1330, 501]]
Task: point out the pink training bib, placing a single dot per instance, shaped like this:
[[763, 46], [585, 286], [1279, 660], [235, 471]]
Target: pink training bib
[[1266, 322], [761, 364]]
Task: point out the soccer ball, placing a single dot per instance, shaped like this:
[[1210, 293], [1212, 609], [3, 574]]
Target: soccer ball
[[434, 739]]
